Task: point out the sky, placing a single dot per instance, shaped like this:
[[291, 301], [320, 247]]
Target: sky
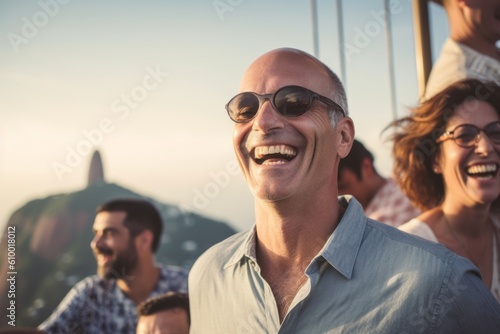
[[145, 82]]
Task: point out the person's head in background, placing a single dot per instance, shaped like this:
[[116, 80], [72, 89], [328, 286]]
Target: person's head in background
[[436, 148], [358, 176], [126, 236], [164, 314], [475, 23]]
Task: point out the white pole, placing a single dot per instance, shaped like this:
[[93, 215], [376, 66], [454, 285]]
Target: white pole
[[390, 59], [314, 17], [340, 29]]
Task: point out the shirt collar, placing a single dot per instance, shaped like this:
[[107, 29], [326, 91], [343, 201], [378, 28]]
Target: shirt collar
[[246, 250], [341, 248]]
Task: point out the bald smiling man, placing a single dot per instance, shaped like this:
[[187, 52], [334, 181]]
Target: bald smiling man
[[313, 262]]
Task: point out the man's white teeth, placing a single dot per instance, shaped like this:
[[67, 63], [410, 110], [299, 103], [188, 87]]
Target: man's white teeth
[[261, 151], [481, 169], [277, 162]]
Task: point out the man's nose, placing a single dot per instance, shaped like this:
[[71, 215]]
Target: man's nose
[[96, 242], [267, 118]]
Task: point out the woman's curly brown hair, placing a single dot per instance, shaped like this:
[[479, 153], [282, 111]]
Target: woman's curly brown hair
[[414, 141]]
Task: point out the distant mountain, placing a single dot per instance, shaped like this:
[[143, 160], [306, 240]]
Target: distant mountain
[[53, 238]]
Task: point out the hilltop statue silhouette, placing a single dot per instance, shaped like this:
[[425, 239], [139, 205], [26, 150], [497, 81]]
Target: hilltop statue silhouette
[[52, 237], [96, 170]]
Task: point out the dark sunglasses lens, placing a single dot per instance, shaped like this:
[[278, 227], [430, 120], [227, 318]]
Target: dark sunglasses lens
[[493, 132], [243, 107], [292, 101], [466, 135]]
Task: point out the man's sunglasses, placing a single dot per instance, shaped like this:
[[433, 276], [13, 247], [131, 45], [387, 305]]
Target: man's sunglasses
[[467, 135], [289, 101]]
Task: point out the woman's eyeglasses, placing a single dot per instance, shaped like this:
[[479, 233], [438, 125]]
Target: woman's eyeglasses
[[289, 101], [467, 135]]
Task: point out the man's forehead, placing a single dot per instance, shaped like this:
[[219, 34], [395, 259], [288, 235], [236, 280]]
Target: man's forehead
[[285, 55], [284, 67], [109, 219], [174, 319]]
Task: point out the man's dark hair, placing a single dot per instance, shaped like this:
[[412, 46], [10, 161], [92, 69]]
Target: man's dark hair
[[141, 215], [355, 157], [163, 302]]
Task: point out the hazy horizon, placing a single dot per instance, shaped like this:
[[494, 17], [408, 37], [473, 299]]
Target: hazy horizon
[[145, 83]]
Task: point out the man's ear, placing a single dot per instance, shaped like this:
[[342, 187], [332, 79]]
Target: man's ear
[[345, 136], [144, 240], [460, 3], [367, 168]]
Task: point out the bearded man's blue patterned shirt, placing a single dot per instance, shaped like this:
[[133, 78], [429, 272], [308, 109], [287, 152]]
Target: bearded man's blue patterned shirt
[[96, 305]]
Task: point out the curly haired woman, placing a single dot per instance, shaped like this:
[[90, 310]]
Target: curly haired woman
[[447, 160]]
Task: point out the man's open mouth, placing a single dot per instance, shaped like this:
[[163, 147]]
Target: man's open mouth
[[273, 154], [103, 259]]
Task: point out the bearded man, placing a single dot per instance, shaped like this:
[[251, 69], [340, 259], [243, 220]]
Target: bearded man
[[126, 236]]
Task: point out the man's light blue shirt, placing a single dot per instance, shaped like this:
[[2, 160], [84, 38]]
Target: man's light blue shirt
[[368, 278]]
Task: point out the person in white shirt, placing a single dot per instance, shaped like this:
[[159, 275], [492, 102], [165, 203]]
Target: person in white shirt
[[470, 51]]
